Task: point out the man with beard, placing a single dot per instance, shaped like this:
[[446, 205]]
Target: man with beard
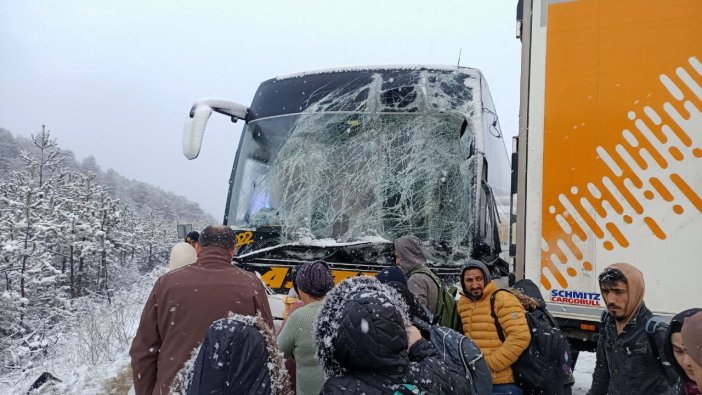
[[628, 357], [478, 324]]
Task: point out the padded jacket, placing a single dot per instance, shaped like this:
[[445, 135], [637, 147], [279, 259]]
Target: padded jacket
[[239, 356], [479, 325], [363, 345]]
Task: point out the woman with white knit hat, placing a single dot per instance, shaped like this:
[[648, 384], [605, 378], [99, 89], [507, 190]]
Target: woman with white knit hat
[[181, 254]]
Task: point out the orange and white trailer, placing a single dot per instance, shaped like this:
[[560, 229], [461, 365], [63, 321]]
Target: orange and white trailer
[[609, 153]]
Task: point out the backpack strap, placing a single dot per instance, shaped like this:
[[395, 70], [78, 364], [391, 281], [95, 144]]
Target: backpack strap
[[426, 271], [651, 327], [439, 291], [549, 317], [469, 365], [500, 332], [653, 324]]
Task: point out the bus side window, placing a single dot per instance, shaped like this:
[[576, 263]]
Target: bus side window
[[487, 226], [483, 211]]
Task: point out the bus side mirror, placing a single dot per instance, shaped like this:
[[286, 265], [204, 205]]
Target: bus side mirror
[[200, 112]]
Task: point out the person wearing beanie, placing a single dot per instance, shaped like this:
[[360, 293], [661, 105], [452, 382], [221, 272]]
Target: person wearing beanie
[[675, 351], [193, 238], [692, 339], [181, 254], [392, 274], [393, 277], [627, 362], [479, 324], [296, 340]]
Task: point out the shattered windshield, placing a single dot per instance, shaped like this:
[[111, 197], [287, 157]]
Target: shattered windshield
[[376, 154]]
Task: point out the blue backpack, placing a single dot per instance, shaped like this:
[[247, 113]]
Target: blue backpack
[[461, 355]]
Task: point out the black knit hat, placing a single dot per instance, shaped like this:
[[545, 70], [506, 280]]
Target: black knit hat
[[192, 236], [392, 273], [314, 278]]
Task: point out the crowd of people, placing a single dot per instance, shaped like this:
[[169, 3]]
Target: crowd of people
[[207, 328]]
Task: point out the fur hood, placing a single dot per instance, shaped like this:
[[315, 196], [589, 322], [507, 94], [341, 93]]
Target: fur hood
[[220, 348], [357, 328], [529, 303]]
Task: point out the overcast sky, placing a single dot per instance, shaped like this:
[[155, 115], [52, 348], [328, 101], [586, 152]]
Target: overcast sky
[[116, 79]]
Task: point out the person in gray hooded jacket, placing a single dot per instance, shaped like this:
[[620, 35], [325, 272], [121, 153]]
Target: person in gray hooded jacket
[[420, 280]]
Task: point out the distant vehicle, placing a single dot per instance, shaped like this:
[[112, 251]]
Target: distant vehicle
[[336, 164], [610, 153]]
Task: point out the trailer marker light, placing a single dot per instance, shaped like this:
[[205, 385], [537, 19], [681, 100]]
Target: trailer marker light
[[587, 327]]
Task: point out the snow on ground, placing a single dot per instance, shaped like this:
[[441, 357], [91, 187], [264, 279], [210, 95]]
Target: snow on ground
[[96, 350], [583, 372], [93, 351], [84, 359]]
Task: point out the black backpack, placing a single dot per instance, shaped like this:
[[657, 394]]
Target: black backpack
[[461, 355], [544, 366]]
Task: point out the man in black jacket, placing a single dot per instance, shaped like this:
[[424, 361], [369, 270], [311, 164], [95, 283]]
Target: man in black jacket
[[628, 357]]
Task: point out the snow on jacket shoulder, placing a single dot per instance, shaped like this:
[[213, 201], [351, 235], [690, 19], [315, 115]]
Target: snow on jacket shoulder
[[238, 356], [479, 325], [180, 308], [627, 362], [362, 344]]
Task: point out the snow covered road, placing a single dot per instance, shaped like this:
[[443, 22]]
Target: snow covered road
[[583, 372]]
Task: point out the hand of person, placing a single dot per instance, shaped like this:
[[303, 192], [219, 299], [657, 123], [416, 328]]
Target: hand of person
[[412, 335]]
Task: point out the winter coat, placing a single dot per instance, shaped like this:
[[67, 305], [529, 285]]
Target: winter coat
[[238, 356], [297, 340], [362, 344], [627, 363], [479, 325], [182, 305], [409, 249], [681, 383]]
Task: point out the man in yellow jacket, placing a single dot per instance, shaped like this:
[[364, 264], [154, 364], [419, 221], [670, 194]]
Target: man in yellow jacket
[[479, 325]]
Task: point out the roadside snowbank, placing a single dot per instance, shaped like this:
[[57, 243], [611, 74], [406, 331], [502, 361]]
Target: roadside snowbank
[[583, 372], [93, 350]]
